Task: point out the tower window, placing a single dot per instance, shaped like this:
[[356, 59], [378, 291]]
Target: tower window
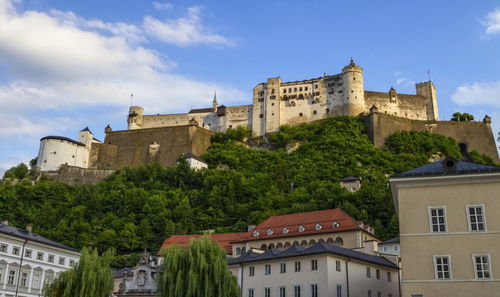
[[261, 115], [353, 78], [301, 114], [315, 112]]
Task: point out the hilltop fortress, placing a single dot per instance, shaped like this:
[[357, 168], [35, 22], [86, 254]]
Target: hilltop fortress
[[163, 138], [277, 103]]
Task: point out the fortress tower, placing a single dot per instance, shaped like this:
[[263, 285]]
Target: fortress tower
[[134, 119], [353, 89], [428, 90]]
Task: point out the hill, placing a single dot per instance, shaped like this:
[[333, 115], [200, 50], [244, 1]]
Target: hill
[[300, 169]]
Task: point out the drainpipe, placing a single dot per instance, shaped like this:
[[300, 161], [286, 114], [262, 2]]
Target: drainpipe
[[399, 275], [20, 267], [347, 274], [242, 275]]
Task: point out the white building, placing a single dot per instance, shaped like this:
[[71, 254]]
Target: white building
[[195, 162], [322, 270], [28, 261], [389, 247]]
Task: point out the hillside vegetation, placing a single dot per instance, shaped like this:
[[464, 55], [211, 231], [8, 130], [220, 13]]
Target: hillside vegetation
[[136, 209]]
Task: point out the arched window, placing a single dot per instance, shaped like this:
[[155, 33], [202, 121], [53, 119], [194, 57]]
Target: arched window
[[272, 246], [287, 245], [312, 242], [238, 251], [295, 243], [303, 244], [339, 241], [243, 250], [263, 247], [329, 241], [321, 240], [279, 246]]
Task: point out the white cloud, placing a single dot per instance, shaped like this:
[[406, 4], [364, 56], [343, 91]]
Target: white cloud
[[492, 22], [184, 31], [162, 6], [486, 93], [65, 72]]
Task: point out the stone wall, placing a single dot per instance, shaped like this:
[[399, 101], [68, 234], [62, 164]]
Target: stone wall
[[76, 176], [476, 135]]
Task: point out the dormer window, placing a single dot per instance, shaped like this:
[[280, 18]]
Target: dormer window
[[302, 228], [256, 233], [318, 226], [286, 230], [335, 224], [270, 232]]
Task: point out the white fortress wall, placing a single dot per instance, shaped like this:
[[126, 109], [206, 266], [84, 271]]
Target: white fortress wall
[[54, 152]]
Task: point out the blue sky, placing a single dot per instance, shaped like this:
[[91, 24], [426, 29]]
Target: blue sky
[[65, 65]]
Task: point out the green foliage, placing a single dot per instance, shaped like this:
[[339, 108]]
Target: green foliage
[[20, 171], [91, 277], [479, 158], [462, 117], [238, 134], [199, 270], [137, 208]]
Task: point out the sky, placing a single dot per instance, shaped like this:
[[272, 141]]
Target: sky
[[66, 65]]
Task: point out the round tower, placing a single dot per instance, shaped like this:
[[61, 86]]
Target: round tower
[[134, 119], [353, 89]]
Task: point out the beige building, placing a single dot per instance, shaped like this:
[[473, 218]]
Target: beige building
[[449, 229], [276, 103], [321, 270]]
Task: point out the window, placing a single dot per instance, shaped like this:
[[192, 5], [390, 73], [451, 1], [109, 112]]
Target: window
[[369, 293], [482, 266], [284, 90], [301, 114], [295, 89], [314, 290], [1, 276], [442, 267], [3, 248], [72, 263], [296, 291], [396, 248], [316, 86], [251, 271], [315, 112], [39, 256], [339, 290], [368, 272], [437, 219], [267, 269], [50, 259], [282, 292], [476, 218], [35, 283], [24, 279], [385, 249], [297, 266], [389, 276], [12, 277], [28, 253], [378, 273], [267, 292], [62, 261], [314, 264], [283, 268], [300, 89], [337, 265], [15, 250]]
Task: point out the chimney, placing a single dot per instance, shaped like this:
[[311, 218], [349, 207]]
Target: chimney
[[29, 228], [5, 222]]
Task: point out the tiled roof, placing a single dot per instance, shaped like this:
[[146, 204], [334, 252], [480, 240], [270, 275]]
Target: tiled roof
[[25, 235], [319, 248], [63, 138], [350, 178], [225, 240], [306, 223], [193, 156], [448, 166], [392, 240], [201, 110]]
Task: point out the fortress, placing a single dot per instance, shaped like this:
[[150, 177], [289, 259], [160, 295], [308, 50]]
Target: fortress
[[277, 103], [163, 138]]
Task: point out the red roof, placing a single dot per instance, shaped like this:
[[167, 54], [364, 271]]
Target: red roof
[[298, 224], [314, 222], [223, 240]]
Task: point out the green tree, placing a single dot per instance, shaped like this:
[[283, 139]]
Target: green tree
[[200, 270], [91, 277], [462, 117], [20, 171]]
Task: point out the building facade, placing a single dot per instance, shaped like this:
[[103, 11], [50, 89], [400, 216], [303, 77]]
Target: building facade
[[276, 103], [29, 261], [322, 270], [449, 229]]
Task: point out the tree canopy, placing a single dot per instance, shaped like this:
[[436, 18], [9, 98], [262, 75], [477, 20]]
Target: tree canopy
[[462, 117], [91, 277], [198, 270], [297, 170]]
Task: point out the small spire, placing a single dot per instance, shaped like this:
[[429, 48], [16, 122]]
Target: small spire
[[215, 96]]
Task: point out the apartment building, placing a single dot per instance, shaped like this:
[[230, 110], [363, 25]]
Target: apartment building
[[449, 229], [322, 270]]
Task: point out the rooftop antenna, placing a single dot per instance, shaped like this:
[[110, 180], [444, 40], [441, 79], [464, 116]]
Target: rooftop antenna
[[429, 73], [131, 99]]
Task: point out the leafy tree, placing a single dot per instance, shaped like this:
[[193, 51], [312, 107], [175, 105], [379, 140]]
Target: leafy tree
[[199, 270], [91, 277], [20, 171], [462, 117]]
